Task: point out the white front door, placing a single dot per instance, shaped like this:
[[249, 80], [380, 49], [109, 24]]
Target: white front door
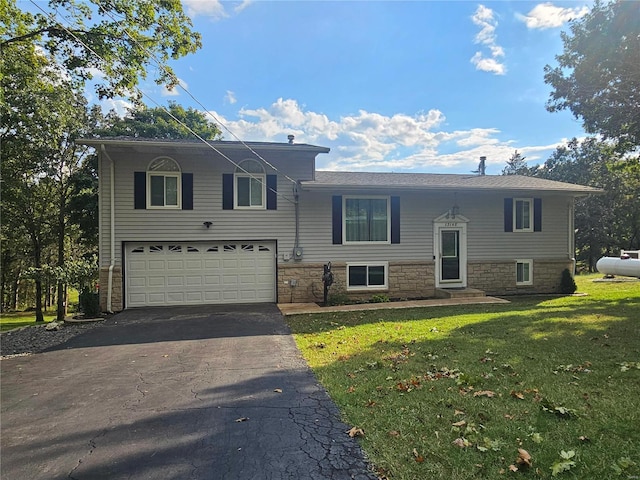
[[450, 252]]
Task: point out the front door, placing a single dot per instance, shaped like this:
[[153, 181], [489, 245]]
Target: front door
[[450, 251], [450, 255]]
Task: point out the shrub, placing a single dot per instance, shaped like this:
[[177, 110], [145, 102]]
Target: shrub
[[89, 303], [379, 298], [567, 283]]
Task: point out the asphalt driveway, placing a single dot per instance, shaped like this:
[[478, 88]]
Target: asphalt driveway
[[174, 393]]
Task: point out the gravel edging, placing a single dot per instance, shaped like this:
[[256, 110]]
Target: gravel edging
[[36, 338]]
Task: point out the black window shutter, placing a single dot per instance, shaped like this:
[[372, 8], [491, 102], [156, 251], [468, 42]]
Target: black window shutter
[[272, 192], [537, 214], [139, 190], [227, 191], [187, 191], [395, 219], [508, 214], [336, 219]]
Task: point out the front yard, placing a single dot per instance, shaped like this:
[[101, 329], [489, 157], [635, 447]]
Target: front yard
[[542, 387]]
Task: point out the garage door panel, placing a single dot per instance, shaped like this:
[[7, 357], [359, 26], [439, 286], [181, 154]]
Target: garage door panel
[[195, 273]]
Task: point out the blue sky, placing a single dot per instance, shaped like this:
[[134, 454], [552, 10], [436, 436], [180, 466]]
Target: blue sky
[[424, 86]]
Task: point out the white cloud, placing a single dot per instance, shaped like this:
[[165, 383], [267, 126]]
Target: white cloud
[[120, 106], [215, 9], [174, 92], [230, 97], [547, 15], [375, 142], [484, 18]]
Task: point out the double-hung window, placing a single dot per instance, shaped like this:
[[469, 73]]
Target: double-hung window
[[250, 181], [362, 276], [366, 219], [522, 215], [163, 184]]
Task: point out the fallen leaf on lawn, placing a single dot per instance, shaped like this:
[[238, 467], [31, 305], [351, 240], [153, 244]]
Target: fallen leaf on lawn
[[461, 442], [523, 457], [277, 390], [394, 433], [508, 417], [518, 395], [356, 432], [242, 419], [461, 423], [484, 393], [582, 438], [458, 412], [419, 458], [351, 389], [513, 468]]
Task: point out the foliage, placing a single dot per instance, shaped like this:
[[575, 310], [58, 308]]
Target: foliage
[[89, 302], [516, 165], [130, 38], [465, 386], [567, 283], [598, 72], [159, 122], [379, 298]]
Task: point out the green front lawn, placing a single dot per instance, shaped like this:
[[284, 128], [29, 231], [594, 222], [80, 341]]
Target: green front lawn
[[455, 392], [9, 321]]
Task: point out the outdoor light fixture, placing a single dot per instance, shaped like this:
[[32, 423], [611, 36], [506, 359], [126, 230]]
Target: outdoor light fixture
[[207, 224]]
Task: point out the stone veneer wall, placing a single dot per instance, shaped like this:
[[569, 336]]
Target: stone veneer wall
[[406, 280], [116, 289], [498, 277]]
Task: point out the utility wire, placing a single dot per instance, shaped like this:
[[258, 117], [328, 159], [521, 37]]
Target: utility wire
[[180, 122]]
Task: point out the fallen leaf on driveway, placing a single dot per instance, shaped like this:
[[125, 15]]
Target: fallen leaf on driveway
[[278, 390], [242, 419]]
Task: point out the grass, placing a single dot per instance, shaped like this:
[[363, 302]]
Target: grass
[[454, 392], [11, 320]]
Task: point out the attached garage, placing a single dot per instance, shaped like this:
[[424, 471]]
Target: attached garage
[[192, 273]]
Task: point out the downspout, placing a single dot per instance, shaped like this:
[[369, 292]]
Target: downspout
[[112, 232], [572, 234]]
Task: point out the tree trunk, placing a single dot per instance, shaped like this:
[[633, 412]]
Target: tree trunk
[[37, 260], [61, 309]]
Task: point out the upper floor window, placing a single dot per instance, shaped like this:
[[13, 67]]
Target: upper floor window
[[366, 219], [163, 183], [522, 214], [250, 181]]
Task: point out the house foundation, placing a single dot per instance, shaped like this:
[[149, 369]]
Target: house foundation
[[498, 277], [302, 282], [116, 289]]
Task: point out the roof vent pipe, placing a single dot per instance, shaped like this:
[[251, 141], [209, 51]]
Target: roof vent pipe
[[482, 166], [291, 137]]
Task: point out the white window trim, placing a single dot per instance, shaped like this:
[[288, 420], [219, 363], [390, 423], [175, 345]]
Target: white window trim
[[530, 280], [178, 177], [366, 287], [515, 212], [344, 220], [263, 182]]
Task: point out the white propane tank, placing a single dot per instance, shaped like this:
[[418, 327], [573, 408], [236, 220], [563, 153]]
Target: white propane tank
[[624, 265]]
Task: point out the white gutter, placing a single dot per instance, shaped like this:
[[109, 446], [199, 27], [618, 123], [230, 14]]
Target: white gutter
[[112, 224]]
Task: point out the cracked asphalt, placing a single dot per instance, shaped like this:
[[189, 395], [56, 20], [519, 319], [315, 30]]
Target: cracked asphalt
[[207, 392]]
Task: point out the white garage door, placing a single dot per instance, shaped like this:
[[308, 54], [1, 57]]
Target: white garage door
[[195, 273]]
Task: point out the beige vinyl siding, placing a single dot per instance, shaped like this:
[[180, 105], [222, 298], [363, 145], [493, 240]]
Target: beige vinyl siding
[[486, 238], [187, 225]]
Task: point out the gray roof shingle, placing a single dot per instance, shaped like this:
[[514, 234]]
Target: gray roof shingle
[[435, 181]]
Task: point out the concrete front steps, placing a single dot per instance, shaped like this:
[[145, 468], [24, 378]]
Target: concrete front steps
[[459, 293]]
